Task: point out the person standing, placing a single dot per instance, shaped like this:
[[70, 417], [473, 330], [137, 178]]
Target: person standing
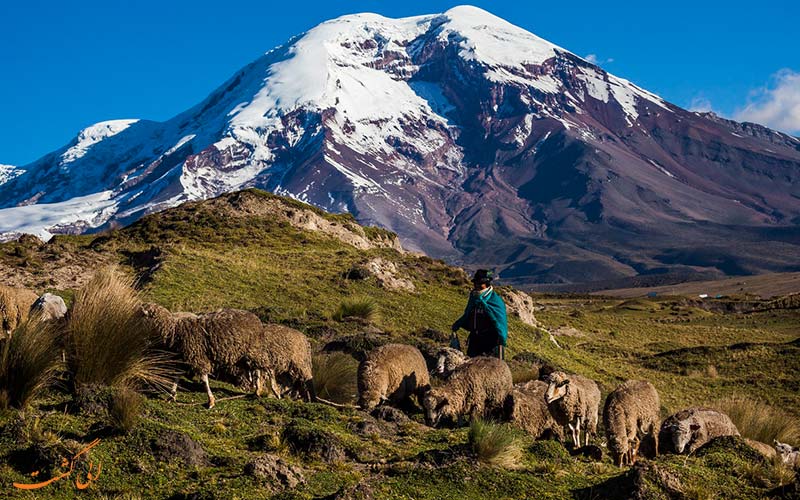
[[484, 318]]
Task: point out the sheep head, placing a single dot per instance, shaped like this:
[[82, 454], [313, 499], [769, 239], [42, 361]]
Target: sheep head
[[557, 388], [618, 449], [437, 405], [448, 360], [160, 319], [683, 433], [783, 449]]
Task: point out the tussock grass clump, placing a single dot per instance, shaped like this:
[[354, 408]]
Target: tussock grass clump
[[364, 308], [335, 377], [29, 362], [126, 409], [108, 341], [760, 421], [494, 444]]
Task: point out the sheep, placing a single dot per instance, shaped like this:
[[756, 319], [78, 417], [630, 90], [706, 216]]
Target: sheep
[[290, 367], [789, 456], [527, 409], [690, 429], [49, 307], [575, 402], [477, 388], [631, 409], [222, 340], [448, 359], [391, 372], [768, 451], [15, 303]]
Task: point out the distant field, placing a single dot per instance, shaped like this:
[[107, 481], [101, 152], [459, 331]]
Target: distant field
[[764, 285]]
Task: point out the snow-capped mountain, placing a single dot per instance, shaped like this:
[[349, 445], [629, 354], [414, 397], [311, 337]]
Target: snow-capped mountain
[[473, 139]]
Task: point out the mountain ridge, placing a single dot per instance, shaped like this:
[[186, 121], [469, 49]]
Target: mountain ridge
[[473, 139]]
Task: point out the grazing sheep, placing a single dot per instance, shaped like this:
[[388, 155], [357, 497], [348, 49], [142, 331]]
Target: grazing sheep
[[789, 456], [768, 451], [527, 409], [49, 307], [223, 340], [448, 359], [631, 410], [391, 372], [15, 303], [477, 388], [575, 402], [690, 429], [290, 366]]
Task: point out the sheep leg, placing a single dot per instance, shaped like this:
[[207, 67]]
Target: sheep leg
[[211, 400], [575, 441], [258, 383], [273, 384], [173, 391]]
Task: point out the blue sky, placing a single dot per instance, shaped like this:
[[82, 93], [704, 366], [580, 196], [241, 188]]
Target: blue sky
[[65, 65]]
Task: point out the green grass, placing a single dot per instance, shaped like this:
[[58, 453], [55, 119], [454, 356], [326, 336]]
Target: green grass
[[207, 260]]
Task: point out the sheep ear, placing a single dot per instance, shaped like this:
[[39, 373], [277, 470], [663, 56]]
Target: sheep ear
[[442, 404], [695, 427], [563, 383]]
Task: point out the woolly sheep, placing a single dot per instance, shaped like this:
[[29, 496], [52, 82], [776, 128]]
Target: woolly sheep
[[290, 361], [15, 303], [448, 359], [575, 403], [631, 410], [391, 372], [477, 388], [527, 409], [768, 451], [222, 341], [789, 456], [49, 307], [690, 429]]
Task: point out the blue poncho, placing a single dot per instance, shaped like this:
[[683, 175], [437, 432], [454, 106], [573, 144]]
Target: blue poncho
[[495, 309]]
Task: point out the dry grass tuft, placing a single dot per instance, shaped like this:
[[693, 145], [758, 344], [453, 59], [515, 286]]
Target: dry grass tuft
[[364, 308], [29, 362], [108, 343], [126, 410], [335, 377], [495, 444], [760, 421]]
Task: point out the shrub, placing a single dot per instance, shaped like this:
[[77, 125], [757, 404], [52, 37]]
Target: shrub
[[29, 362], [108, 343], [494, 444], [362, 308], [126, 409], [335, 377], [760, 421]]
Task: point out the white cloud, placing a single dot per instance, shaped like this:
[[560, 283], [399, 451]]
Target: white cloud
[[701, 104], [776, 105], [594, 59]]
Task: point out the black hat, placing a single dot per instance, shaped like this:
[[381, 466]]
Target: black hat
[[483, 276]]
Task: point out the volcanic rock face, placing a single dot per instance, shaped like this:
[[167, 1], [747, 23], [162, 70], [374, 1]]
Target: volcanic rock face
[[473, 139]]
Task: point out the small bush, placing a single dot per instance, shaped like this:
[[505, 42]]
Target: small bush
[[126, 409], [759, 421], [29, 361], [360, 308], [108, 343], [494, 444], [335, 377]]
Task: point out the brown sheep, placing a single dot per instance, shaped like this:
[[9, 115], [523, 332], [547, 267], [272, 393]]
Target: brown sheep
[[475, 389], [575, 402], [632, 410], [527, 409], [290, 366], [768, 451], [690, 429], [15, 303], [391, 372], [224, 340]]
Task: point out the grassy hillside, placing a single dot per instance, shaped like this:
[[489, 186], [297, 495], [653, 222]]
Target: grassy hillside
[[255, 251]]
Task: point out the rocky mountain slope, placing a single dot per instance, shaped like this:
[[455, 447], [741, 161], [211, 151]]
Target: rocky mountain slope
[[473, 139]]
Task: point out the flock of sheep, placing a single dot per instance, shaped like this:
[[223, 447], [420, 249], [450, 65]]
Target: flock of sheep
[[236, 344]]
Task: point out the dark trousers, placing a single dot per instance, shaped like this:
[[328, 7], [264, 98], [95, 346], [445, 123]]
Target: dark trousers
[[483, 344]]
